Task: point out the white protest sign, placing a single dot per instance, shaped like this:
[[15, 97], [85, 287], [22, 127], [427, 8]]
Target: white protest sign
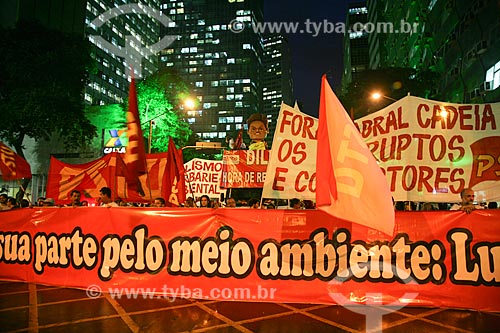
[[203, 177], [291, 172]]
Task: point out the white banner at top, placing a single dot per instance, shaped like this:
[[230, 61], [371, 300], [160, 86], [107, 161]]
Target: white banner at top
[[431, 150], [291, 172]]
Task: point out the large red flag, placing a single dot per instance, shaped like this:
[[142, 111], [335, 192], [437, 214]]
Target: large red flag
[[350, 184], [135, 156], [239, 139], [174, 182], [12, 166]]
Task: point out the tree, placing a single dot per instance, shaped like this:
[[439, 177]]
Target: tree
[[161, 100], [42, 79], [395, 83]]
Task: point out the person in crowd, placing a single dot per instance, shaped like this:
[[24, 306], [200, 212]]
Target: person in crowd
[[205, 201], [159, 202], [3, 201], [309, 204], [230, 142], [492, 205], [257, 131], [254, 203], [426, 206], [40, 201], [467, 205], [49, 202], [25, 203], [189, 202], [295, 204], [231, 202], [75, 199], [85, 203], [11, 203], [105, 198], [216, 203]]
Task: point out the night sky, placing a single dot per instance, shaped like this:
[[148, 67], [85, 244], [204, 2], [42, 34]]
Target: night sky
[[311, 56]]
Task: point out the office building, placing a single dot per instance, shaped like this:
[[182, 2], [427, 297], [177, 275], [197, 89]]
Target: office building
[[356, 54], [277, 83], [134, 26], [459, 40], [221, 56]]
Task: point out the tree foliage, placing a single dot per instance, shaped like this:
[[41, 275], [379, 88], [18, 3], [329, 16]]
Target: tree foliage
[[42, 80], [160, 98], [395, 83]]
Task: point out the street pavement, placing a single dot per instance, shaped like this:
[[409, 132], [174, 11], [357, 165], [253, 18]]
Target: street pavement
[[37, 308]]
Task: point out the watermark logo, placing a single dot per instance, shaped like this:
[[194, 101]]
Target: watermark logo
[[236, 26], [316, 28], [93, 291], [372, 305], [134, 51], [257, 293]]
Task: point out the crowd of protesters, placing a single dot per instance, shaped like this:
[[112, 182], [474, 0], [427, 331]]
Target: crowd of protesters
[[7, 203]]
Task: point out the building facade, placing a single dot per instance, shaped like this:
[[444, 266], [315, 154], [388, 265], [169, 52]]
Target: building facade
[[356, 52], [458, 40], [130, 29], [277, 83], [219, 54]]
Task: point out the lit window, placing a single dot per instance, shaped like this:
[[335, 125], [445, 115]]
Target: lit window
[[493, 76], [247, 47]]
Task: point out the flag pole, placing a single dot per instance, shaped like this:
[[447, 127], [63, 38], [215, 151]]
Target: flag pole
[[149, 183]]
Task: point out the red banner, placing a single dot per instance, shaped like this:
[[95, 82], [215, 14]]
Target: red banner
[[244, 168], [110, 171], [442, 259]]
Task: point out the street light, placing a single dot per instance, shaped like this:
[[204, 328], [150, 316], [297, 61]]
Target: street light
[[376, 96]]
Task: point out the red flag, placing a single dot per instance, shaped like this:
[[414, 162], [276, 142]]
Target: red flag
[[12, 166], [174, 182], [350, 184], [483, 167], [239, 139], [135, 156]]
